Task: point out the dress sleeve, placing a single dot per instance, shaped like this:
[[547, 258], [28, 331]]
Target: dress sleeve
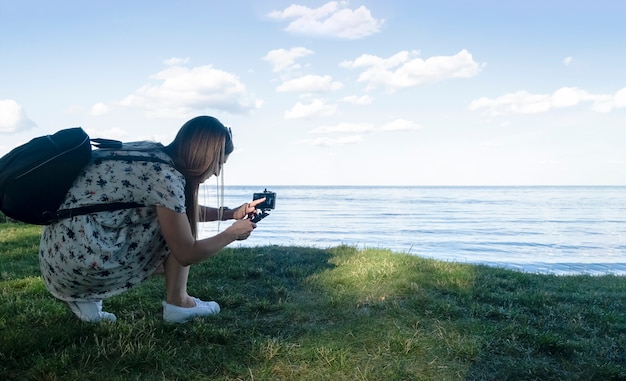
[[167, 189]]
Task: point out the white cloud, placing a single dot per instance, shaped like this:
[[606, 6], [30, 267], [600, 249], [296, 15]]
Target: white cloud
[[363, 100], [401, 70], [181, 92], [332, 19], [400, 125], [602, 103], [619, 98], [310, 84], [569, 96], [282, 59], [352, 132], [366, 60], [99, 109], [523, 102], [329, 142], [567, 61], [12, 117], [343, 128], [359, 128], [317, 108], [175, 61], [519, 102]]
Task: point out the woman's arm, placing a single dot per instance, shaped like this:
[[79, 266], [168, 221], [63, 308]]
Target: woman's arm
[[207, 214], [188, 250]]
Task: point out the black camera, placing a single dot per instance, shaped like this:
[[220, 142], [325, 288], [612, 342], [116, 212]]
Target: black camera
[[268, 204]]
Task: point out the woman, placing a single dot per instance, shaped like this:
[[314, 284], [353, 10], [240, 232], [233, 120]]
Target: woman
[[85, 259]]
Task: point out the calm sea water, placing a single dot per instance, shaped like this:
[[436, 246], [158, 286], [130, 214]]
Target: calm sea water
[[542, 229]]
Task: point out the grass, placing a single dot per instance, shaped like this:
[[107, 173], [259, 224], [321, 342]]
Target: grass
[[296, 313]]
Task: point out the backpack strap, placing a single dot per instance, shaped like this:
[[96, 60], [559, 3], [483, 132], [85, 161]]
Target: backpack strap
[[95, 208], [106, 143], [68, 213], [131, 158]]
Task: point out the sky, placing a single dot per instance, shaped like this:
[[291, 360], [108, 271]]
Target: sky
[[467, 92]]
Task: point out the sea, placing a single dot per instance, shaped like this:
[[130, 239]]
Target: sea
[[567, 230]]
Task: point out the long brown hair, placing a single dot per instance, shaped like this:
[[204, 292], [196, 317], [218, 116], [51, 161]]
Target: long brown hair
[[200, 147]]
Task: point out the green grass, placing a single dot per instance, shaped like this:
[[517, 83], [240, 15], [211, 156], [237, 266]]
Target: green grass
[[296, 313]]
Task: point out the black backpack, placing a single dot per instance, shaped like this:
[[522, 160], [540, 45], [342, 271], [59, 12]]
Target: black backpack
[[36, 176]]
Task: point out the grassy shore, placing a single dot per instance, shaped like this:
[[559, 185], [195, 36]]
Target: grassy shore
[[297, 313]]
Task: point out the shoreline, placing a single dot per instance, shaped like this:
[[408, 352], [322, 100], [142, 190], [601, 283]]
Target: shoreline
[[534, 267], [572, 268]]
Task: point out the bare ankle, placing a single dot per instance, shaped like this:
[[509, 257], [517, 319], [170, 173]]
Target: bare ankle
[[182, 301]]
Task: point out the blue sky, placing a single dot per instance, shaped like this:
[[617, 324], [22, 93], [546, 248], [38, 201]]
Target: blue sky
[[411, 92]]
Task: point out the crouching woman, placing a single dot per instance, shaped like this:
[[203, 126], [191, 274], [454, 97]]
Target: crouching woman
[[86, 259]]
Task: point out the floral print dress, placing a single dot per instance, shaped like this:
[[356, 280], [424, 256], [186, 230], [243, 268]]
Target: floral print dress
[[96, 256]]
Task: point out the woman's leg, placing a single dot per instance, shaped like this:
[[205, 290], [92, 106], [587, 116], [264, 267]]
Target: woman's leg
[[176, 276], [90, 311], [179, 307]]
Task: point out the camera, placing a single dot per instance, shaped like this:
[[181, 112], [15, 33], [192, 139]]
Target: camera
[[270, 200], [268, 204]]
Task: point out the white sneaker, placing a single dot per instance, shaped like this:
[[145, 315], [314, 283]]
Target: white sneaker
[[90, 311], [176, 314]]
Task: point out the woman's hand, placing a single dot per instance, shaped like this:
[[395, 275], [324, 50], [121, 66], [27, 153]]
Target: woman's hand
[[186, 248], [241, 229], [242, 211]]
